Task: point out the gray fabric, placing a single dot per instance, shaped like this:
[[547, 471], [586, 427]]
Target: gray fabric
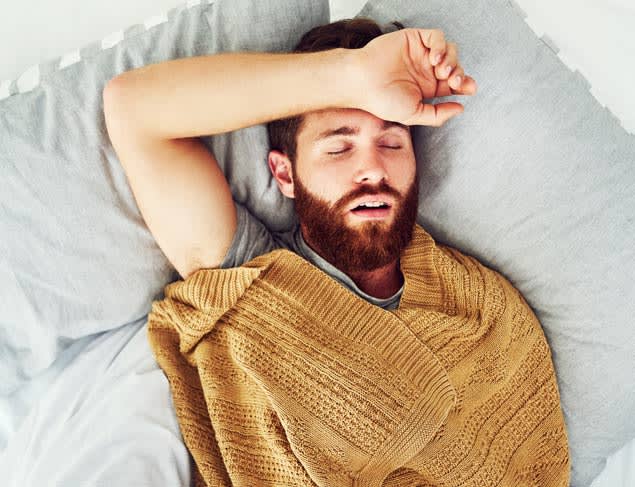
[[76, 257], [537, 180], [252, 238]]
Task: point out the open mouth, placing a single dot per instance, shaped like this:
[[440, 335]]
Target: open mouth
[[372, 210]]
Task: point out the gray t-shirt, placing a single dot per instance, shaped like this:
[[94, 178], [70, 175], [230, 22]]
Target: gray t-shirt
[[252, 239]]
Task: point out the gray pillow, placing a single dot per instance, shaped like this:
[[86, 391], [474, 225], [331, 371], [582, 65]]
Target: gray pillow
[[537, 180], [76, 257]]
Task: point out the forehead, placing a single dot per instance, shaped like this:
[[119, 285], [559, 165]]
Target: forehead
[[319, 125]]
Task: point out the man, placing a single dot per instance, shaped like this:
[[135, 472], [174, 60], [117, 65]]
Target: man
[[444, 379], [347, 143]]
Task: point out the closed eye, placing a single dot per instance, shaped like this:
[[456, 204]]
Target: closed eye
[[396, 147]]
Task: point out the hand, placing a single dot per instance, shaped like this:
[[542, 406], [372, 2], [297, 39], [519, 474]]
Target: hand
[[400, 70]]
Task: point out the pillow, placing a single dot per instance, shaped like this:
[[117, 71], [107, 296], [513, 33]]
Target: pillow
[[536, 180], [76, 257]]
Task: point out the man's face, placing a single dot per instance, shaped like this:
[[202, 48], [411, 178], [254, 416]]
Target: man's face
[[344, 157]]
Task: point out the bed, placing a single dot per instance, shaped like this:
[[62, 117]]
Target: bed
[[82, 401]]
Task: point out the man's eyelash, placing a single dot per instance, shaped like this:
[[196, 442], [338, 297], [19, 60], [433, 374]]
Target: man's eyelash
[[386, 146]]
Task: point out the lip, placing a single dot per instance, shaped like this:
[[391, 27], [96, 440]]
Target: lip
[[374, 197], [369, 214]]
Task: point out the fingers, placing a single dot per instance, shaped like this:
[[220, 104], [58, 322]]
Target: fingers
[[451, 76], [467, 86], [434, 39], [436, 115], [448, 61], [449, 69], [444, 57]]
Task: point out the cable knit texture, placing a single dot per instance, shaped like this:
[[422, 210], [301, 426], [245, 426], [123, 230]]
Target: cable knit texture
[[281, 376]]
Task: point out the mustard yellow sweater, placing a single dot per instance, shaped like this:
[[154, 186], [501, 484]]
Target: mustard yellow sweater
[[281, 376]]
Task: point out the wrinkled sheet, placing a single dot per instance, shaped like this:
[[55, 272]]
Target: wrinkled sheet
[[102, 415]]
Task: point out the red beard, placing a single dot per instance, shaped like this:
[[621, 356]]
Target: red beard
[[370, 244]]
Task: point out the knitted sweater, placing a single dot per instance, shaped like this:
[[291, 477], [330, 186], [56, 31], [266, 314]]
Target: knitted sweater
[[280, 376]]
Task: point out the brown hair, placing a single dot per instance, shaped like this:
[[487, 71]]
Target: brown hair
[[347, 33]]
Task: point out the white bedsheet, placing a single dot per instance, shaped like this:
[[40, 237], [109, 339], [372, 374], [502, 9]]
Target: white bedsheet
[[103, 417]]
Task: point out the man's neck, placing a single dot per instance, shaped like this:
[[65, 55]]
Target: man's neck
[[380, 283]]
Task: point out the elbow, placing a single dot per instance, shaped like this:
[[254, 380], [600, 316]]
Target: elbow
[[111, 101], [120, 117], [112, 95], [123, 110]]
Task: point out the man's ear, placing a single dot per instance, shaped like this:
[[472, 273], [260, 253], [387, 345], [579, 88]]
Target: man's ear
[[282, 171]]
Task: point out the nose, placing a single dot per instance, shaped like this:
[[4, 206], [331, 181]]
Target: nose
[[370, 168]]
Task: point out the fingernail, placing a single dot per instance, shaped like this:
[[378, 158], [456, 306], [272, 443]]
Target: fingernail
[[448, 70], [437, 59], [457, 80]]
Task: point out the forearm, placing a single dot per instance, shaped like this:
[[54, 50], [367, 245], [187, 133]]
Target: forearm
[[206, 95]]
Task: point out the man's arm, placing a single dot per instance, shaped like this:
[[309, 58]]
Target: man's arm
[[155, 113], [206, 95]]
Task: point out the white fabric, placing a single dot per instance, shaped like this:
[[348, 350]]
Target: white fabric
[[33, 32], [619, 470], [596, 38], [104, 418]]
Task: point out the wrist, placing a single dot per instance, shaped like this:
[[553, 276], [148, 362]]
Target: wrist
[[351, 77], [340, 78]]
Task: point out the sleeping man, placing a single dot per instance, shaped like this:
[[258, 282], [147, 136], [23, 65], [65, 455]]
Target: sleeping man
[[354, 349]]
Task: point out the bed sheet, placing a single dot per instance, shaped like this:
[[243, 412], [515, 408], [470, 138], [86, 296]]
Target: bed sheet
[[102, 415], [97, 415]]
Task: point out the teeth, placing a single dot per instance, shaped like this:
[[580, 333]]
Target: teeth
[[373, 204]]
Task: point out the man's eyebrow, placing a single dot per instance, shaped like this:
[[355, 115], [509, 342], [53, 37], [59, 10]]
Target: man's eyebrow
[[348, 130]]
